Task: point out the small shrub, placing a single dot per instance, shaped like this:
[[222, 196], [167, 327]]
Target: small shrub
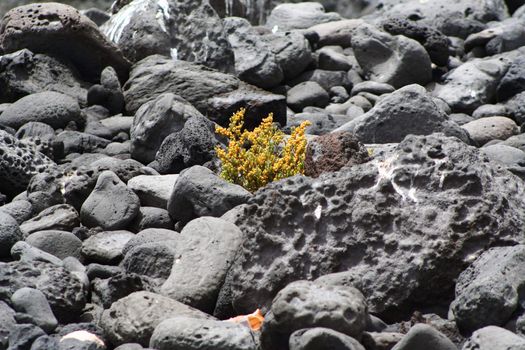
[[255, 158]]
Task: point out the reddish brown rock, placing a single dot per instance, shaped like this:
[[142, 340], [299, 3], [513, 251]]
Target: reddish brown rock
[[333, 151], [61, 31]]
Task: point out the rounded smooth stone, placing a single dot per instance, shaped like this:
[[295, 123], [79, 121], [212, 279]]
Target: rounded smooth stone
[[9, 234], [106, 247], [484, 130], [111, 205], [306, 94], [322, 338], [422, 336], [59, 243], [49, 107], [33, 302]]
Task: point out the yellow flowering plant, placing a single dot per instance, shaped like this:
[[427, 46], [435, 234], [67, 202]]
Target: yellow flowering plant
[[255, 158]]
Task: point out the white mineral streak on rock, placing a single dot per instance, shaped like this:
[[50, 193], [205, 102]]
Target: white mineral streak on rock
[[174, 54], [116, 25], [163, 14], [84, 336], [386, 172], [317, 212]]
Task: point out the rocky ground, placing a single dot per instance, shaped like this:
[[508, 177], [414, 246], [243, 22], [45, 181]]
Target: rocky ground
[[116, 231]]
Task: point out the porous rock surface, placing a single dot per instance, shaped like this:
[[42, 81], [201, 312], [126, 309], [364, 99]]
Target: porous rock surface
[[400, 226]]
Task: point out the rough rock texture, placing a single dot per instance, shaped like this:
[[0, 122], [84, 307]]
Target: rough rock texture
[[409, 110], [9, 234], [188, 333], [111, 205], [186, 30], [206, 247], [396, 60], [153, 190], [106, 247], [488, 292], [299, 16], [39, 73], [322, 338], [494, 338], [132, 319], [333, 151], [154, 121], [52, 108], [61, 30], [214, 94], [18, 163], [397, 226], [64, 292], [57, 217], [303, 304], [199, 192]]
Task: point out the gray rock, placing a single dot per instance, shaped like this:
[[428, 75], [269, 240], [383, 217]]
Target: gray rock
[[473, 83], [9, 234], [153, 190], [199, 192], [494, 338], [395, 60], [7, 323], [151, 217], [304, 304], [487, 129], [19, 162], [299, 16], [61, 217], [305, 94], [129, 346], [59, 243], [322, 338], [190, 333], [487, 293], [507, 157], [177, 29], [155, 120], [516, 107], [398, 115], [422, 336], [330, 59], [281, 222], [118, 124], [24, 252], [153, 259], [111, 205], [326, 78], [24, 73], [490, 110], [72, 37], [194, 144], [381, 340], [372, 87], [133, 319], [64, 292], [321, 122], [33, 302], [336, 32], [23, 335], [108, 93], [517, 141], [504, 36], [206, 247], [150, 235], [513, 82], [81, 142], [255, 63], [106, 247], [21, 210], [105, 292]]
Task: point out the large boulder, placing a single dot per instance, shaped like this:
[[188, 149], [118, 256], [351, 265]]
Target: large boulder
[[286, 17], [61, 30], [394, 228], [409, 110], [216, 95], [52, 108], [186, 30], [39, 73], [396, 60], [154, 121]]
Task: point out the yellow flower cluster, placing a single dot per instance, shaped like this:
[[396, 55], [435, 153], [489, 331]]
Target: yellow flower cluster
[[255, 158]]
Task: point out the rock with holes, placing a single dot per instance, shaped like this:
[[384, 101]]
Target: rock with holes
[[61, 30], [111, 205], [394, 227], [134, 318], [52, 108], [18, 163], [64, 291], [186, 30], [409, 110], [39, 73]]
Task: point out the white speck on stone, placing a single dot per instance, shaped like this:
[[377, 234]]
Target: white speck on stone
[[163, 14], [275, 29], [84, 336], [473, 94], [317, 212], [177, 261], [174, 54]]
